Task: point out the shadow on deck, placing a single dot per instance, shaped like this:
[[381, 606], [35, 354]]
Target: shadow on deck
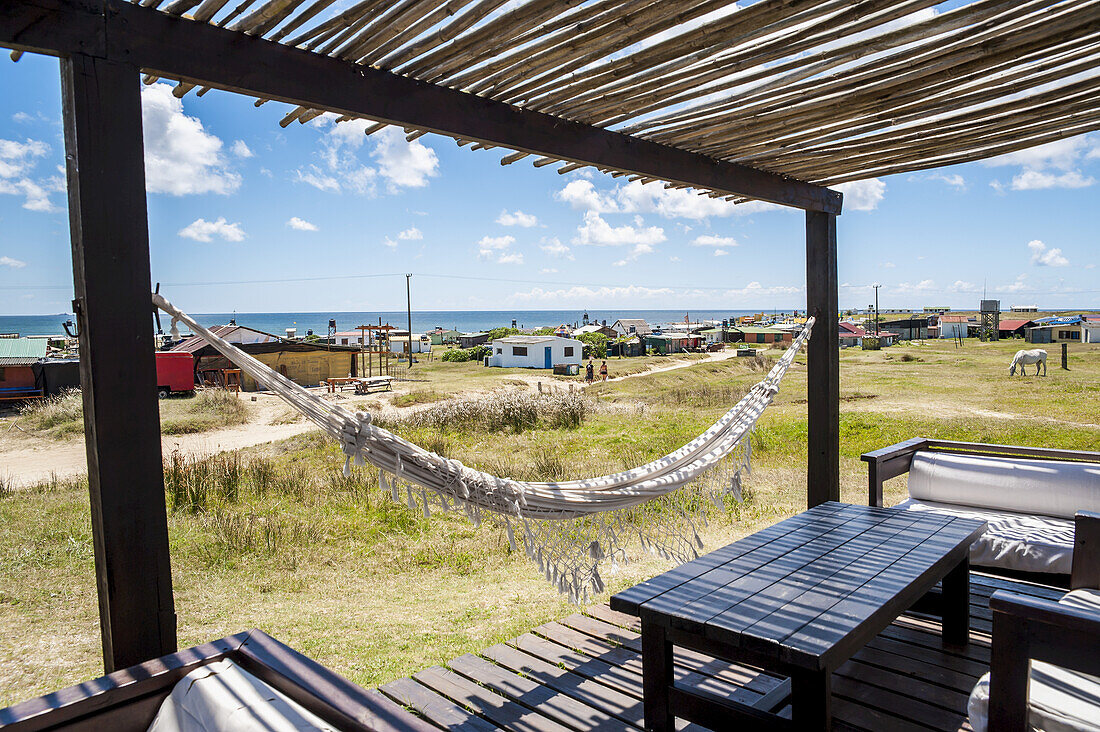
[[584, 673]]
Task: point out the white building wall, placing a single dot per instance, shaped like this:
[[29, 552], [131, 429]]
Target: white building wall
[[504, 355], [952, 329]]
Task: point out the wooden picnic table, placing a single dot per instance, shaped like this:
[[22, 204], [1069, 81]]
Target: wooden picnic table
[[798, 598]]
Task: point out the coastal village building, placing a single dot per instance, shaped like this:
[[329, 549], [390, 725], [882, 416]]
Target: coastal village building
[[666, 343], [631, 326], [17, 359], [1014, 328], [399, 342], [953, 326], [851, 335], [762, 334], [469, 340], [627, 347], [306, 363], [439, 336], [1071, 329], [596, 328], [908, 329], [535, 352]]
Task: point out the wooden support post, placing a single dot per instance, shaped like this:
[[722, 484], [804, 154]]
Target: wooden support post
[[822, 361], [110, 241], [1065, 356]]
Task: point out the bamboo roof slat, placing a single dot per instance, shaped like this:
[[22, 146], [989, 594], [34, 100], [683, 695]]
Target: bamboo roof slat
[[823, 91]]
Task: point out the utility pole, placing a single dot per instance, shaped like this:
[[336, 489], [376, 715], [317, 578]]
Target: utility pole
[[876, 286], [408, 303]]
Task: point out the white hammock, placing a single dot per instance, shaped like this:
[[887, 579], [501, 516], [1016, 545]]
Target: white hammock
[[569, 563]]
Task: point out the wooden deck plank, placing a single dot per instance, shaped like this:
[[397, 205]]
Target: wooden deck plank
[[436, 709], [548, 701], [583, 673]]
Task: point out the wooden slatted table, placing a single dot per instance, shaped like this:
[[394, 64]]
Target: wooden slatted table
[[798, 598]]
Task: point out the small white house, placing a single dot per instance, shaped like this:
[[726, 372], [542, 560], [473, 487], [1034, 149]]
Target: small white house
[[535, 352], [953, 326]]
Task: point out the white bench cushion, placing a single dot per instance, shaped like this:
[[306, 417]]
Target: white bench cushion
[[223, 697], [1058, 700], [1046, 487], [1012, 540]]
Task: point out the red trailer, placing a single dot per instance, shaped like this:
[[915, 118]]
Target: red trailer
[[175, 373]]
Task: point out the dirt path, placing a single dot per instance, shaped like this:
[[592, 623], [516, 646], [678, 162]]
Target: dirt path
[[28, 459]]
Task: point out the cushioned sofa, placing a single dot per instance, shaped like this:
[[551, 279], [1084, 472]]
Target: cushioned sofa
[[1028, 497]]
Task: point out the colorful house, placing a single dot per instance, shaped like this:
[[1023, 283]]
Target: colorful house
[[761, 334], [17, 359]]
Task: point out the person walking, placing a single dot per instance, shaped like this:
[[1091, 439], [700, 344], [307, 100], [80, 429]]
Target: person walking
[[603, 371], [588, 376]]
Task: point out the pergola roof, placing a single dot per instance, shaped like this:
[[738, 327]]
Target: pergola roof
[[822, 91]]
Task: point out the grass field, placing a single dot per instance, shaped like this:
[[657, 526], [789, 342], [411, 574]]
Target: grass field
[[274, 537]]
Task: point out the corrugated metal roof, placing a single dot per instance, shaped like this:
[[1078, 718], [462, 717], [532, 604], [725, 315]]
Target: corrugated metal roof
[[21, 351], [531, 339], [1013, 324], [757, 329], [231, 333]]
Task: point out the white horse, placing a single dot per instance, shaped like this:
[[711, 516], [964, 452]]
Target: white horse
[[1035, 356]]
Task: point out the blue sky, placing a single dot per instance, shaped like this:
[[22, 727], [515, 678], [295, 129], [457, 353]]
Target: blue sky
[[236, 198]]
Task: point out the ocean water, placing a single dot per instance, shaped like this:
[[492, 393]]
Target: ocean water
[[466, 321]]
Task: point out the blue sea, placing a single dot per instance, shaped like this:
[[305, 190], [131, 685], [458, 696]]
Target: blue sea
[[466, 321]]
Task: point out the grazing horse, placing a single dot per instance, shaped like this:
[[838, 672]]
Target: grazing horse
[[1035, 356]]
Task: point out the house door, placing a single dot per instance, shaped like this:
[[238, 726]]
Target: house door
[[549, 358]]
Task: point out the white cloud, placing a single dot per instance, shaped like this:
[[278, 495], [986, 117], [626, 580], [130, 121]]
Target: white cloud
[[319, 180], [390, 243], [18, 158], [17, 162], [582, 195], [1034, 180], [1039, 163], [910, 287], [410, 234], [592, 295], [403, 164], [888, 265], [301, 224], [495, 242], [1044, 257], [241, 150], [710, 240], [862, 195], [400, 164], [555, 248], [496, 248], [720, 252], [674, 259], [510, 258], [597, 232], [548, 270], [203, 230], [755, 289], [954, 180], [517, 218], [13, 263], [181, 158]]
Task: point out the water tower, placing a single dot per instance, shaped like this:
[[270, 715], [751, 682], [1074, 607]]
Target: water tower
[[989, 320]]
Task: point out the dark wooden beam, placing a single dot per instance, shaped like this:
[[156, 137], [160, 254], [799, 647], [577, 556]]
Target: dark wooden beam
[[822, 361], [182, 49], [107, 214]]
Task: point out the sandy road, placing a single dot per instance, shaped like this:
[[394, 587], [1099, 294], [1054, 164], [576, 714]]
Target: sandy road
[[26, 459]]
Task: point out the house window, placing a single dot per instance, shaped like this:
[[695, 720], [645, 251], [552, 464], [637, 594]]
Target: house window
[[500, 350], [2, 377], [519, 350], [568, 351]]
